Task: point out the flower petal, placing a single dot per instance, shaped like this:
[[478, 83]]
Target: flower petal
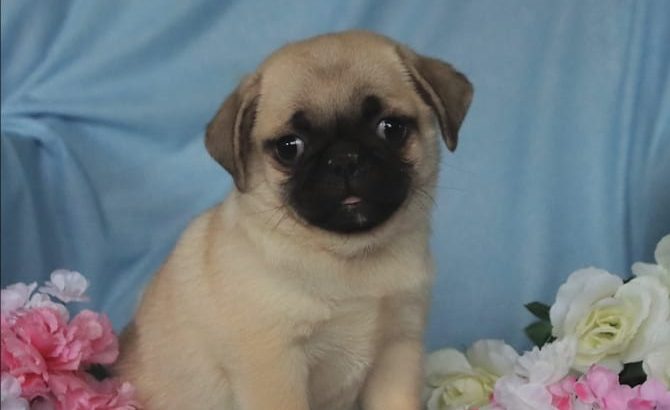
[[9, 386], [514, 393], [549, 364], [574, 298], [657, 365], [443, 362], [662, 269], [494, 356], [68, 286], [40, 300], [662, 253], [15, 296], [648, 291]]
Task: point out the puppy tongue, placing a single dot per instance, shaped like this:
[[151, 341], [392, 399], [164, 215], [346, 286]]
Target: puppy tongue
[[351, 200]]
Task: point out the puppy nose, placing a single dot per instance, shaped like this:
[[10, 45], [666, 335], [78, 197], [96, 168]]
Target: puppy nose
[[344, 164]]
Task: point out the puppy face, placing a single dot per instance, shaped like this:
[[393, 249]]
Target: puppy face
[[346, 171], [339, 129]]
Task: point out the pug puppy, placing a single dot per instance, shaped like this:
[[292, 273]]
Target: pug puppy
[[307, 288]]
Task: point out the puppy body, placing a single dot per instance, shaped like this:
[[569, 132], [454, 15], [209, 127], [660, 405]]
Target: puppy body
[[301, 323], [260, 308]]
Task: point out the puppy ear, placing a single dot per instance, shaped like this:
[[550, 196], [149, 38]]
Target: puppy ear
[[228, 136], [444, 89]]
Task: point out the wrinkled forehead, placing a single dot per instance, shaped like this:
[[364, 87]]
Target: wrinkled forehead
[[331, 83]]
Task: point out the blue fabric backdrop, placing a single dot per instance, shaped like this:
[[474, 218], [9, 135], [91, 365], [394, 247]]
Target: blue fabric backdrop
[[564, 159]]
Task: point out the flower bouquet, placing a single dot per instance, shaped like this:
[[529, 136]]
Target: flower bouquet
[[50, 361], [603, 344]]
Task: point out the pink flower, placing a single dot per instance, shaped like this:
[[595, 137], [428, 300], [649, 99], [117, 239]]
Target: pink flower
[[596, 383], [43, 356], [654, 394], [120, 395], [80, 391], [562, 393], [22, 361], [600, 386], [46, 331], [87, 339], [95, 332]]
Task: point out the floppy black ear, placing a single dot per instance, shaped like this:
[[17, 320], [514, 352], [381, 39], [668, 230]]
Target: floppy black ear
[[444, 89], [228, 136]]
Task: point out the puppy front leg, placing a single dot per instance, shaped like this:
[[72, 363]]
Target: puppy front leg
[[395, 380], [271, 378]]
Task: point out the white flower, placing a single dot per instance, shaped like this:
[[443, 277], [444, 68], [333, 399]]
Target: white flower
[[494, 356], [15, 296], [614, 323], [68, 286], [533, 373], [662, 268], [40, 300], [657, 362], [657, 366], [459, 382], [515, 393], [549, 364], [10, 394]]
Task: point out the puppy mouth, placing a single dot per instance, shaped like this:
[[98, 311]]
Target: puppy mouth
[[352, 213], [351, 201]]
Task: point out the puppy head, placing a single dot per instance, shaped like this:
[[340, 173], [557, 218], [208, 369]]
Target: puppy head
[[339, 129]]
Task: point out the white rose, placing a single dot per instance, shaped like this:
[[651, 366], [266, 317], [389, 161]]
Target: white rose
[[662, 268], [657, 366], [458, 382], [614, 323], [657, 362]]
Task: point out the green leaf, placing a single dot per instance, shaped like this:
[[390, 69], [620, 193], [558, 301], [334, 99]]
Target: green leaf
[[632, 374], [539, 310], [539, 332]]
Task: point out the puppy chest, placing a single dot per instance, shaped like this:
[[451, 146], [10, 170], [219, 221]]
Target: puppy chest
[[340, 351]]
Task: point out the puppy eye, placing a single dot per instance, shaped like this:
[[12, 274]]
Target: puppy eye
[[392, 130], [289, 148]]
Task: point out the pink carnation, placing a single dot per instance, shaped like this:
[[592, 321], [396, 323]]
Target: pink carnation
[[562, 393], [87, 339], [80, 391], [600, 387], [25, 363], [94, 332], [44, 357], [46, 331], [652, 393]]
